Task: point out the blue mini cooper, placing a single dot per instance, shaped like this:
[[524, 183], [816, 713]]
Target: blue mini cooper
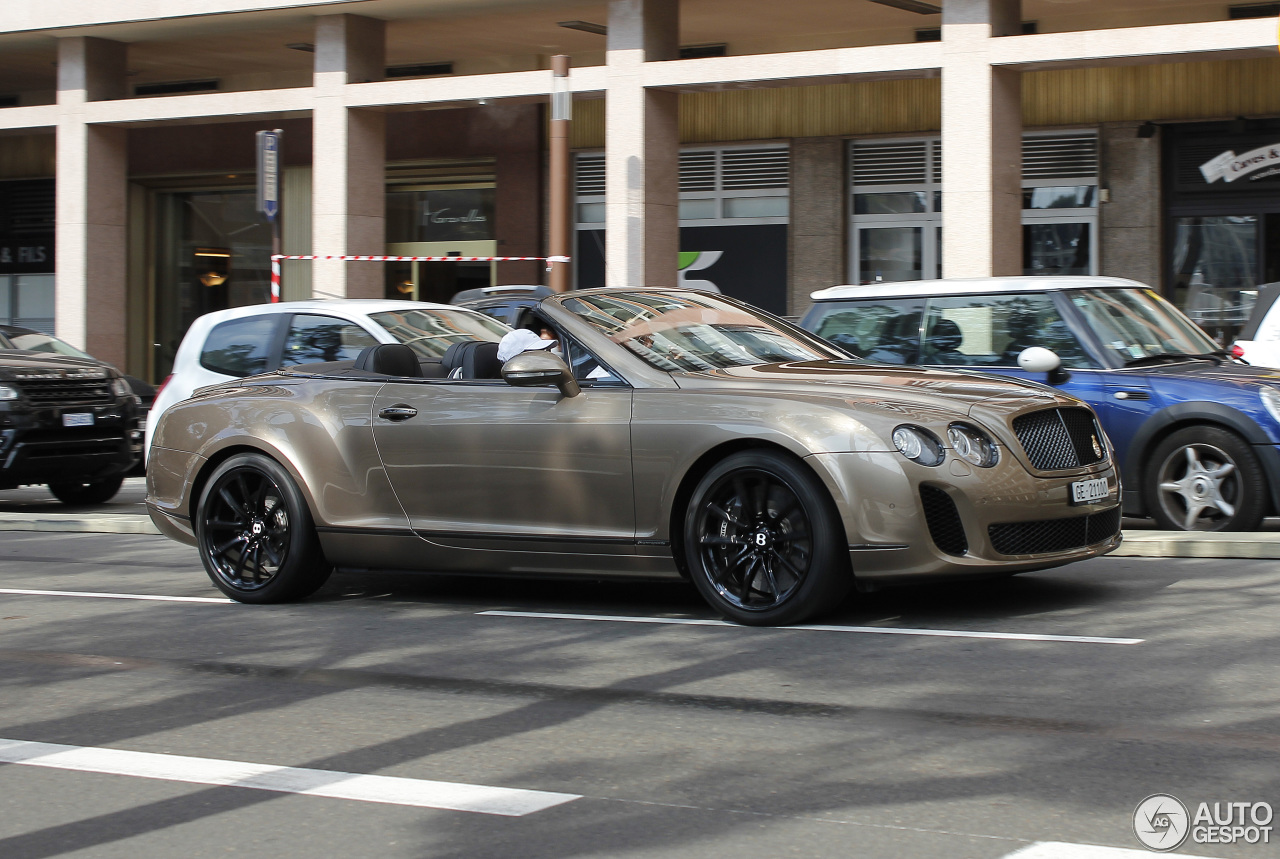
[[1196, 432]]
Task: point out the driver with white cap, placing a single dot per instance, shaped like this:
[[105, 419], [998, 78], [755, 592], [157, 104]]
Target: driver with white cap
[[521, 340]]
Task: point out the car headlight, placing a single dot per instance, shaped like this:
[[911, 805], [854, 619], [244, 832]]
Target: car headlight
[[1270, 401], [8, 393], [918, 445], [973, 445], [121, 388]]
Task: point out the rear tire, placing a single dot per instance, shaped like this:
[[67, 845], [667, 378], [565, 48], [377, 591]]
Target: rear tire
[[763, 541], [93, 492], [255, 534]]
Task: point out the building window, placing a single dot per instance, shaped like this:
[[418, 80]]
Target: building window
[[725, 185], [896, 207], [896, 210], [734, 217]]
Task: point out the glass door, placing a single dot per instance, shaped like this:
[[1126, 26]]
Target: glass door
[[1216, 262]]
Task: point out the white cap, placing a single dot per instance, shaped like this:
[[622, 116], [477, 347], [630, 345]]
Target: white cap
[[520, 340]]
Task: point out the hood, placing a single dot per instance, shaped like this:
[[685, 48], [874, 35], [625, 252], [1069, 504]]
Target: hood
[[16, 362], [1211, 372], [960, 390]]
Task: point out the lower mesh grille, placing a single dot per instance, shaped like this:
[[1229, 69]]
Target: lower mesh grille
[[944, 521], [1054, 535]]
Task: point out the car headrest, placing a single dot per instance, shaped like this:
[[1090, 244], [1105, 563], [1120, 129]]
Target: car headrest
[[481, 362], [389, 359], [452, 357]]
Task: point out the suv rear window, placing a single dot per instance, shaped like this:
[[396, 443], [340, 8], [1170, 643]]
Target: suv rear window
[[240, 347]]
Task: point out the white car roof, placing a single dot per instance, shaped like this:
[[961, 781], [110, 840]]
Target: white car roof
[[971, 286], [341, 306]]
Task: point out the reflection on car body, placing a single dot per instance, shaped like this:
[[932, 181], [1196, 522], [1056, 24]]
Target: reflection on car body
[[688, 434]]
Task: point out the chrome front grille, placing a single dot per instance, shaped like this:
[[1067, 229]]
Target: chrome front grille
[[1060, 438]]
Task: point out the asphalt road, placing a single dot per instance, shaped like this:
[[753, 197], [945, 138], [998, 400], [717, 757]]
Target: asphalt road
[[615, 738]]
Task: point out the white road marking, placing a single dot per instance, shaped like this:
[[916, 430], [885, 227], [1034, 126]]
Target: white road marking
[[390, 790], [105, 596], [883, 630], [1063, 850]]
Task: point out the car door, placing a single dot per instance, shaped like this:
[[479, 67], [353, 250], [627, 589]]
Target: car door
[[482, 464]]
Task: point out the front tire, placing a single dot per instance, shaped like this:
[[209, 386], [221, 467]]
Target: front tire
[[763, 542], [255, 533], [80, 494], [1205, 478]]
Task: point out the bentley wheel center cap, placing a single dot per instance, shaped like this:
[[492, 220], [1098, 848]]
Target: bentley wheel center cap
[[257, 527]]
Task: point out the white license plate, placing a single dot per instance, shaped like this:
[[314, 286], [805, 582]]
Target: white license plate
[[1084, 491], [80, 419]]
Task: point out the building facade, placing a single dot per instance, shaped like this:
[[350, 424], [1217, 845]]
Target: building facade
[[763, 149]]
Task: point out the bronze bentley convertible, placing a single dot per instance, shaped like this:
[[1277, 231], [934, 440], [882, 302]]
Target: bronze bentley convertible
[[671, 433]]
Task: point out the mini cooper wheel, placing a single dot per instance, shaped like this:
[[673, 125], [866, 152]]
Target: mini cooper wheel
[[1205, 479], [763, 542], [94, 492], [255, 534]]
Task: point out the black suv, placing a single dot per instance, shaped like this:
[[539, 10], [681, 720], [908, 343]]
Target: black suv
[[68, 422]]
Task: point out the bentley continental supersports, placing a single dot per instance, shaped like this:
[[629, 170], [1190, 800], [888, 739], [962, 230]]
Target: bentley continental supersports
[[668, 433]]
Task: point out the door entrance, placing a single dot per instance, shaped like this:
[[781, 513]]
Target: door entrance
[[438, 281]]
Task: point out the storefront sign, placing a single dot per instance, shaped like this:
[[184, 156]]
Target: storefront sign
[[456, 214], [747, 262], [1229, 167], [26, 254]]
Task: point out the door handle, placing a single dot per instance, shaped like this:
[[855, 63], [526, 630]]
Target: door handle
[[398, 413]]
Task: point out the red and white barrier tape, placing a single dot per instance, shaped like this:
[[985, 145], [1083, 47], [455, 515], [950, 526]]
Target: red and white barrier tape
[[276, 258], [419, 259]]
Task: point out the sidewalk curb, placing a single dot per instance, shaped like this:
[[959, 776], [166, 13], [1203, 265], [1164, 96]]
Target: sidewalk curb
[[111, 523], [1190, 544]]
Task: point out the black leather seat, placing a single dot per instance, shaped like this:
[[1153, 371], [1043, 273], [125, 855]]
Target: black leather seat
[[473, 359], [389, 359]]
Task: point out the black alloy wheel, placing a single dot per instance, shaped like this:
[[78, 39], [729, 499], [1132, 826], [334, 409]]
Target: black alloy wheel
[[255, 533], [763, 542], [1205, 478], [78, 494]]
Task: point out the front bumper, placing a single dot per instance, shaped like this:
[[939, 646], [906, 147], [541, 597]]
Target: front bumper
[[992, 521]]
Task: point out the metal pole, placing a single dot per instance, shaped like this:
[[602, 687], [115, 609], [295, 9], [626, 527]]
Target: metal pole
[[560, 230]]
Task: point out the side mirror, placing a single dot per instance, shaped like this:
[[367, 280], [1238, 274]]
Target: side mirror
[[1037, 359], [535, 369]]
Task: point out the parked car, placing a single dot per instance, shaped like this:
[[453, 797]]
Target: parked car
[[242, 341], [17, 337], [1258, 343], [682, 433], [1197, 432], [510, 304], [68, 422]]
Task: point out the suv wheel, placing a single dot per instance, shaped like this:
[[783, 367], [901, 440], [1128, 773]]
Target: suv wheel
[[93, 492]]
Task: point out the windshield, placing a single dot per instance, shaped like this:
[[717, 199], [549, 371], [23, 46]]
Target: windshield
[[37, 342], [431, 332], [1136, 324], [686, 332]]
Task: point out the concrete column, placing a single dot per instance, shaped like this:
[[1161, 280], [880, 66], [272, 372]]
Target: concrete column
[[642, 147], [1129, 244], [981, 143], [348, 158], [819, 197], [92, 202]]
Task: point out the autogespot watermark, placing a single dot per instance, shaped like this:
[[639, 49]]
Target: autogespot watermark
[[1163, 823]]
